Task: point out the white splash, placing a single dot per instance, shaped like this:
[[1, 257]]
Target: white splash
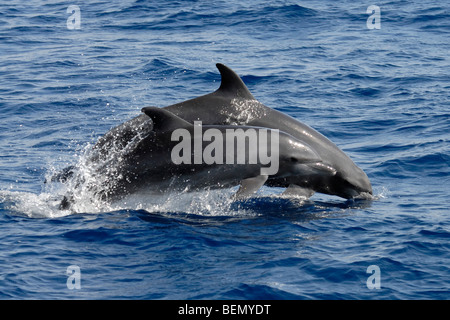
[[246, 111], [32, 205]]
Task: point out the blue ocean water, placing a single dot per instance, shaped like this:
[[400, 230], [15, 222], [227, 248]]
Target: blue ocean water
[[382, 95]]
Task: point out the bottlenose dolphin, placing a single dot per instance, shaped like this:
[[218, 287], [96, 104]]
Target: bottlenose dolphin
[[233, 104], [151, 157]]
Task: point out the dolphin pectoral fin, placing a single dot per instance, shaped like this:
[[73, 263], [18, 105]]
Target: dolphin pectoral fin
[[296, 191], [249, 186]]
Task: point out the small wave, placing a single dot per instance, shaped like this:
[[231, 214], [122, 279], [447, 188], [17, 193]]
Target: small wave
[[366, 92], [433, 165], [429, 16], [206, 203], [439, 233], [287, 11], [161, 68]]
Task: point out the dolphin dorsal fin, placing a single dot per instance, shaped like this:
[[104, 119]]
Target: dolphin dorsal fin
[[164, 120], [232, 84]]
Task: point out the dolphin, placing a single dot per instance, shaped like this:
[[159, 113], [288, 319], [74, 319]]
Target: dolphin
[[147, 157], [233, 104]]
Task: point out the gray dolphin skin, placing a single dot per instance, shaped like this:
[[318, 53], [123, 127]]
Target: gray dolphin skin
[[140, 158], [135, 155], [233, 103]]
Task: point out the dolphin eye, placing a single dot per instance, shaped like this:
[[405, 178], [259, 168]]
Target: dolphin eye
[[293, 159]]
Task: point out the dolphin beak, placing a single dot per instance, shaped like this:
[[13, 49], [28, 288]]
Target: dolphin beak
[[356, 185]]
